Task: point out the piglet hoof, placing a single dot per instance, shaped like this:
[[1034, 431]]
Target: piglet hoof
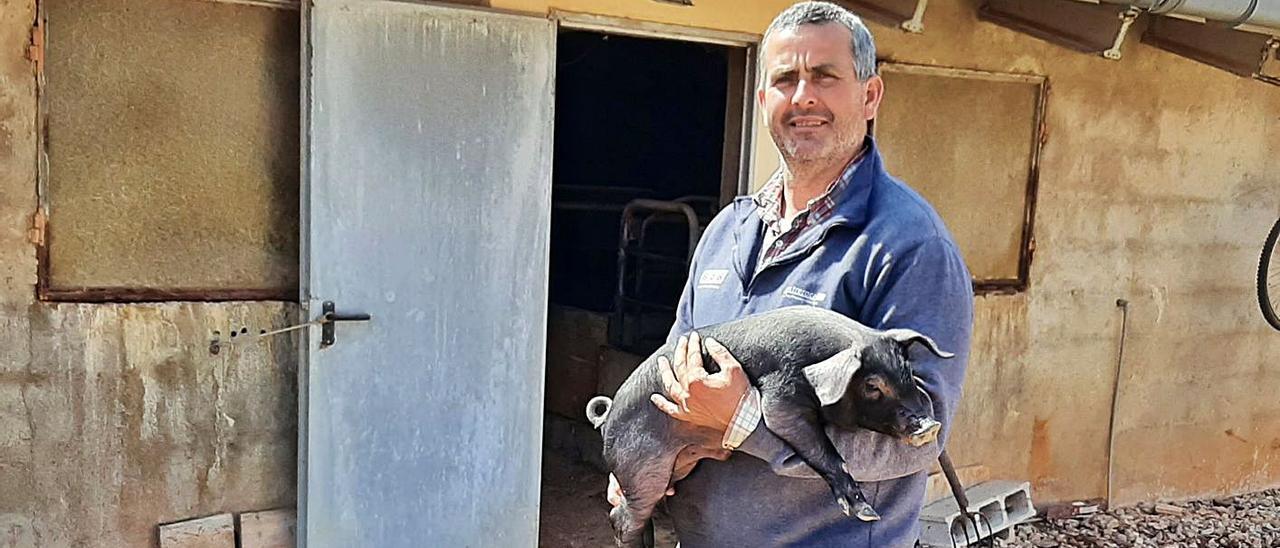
[[859, 509], [866, 513]]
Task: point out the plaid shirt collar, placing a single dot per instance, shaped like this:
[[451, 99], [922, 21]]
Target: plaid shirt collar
[[770, 198]]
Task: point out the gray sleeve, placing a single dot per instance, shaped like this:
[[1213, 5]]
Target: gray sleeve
[[928, 290]]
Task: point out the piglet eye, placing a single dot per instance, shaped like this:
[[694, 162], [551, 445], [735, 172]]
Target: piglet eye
[[872, 391]]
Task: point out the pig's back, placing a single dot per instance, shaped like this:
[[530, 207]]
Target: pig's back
[[787, 337]]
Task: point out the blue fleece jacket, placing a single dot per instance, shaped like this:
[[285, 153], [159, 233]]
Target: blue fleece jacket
[[885, 259]]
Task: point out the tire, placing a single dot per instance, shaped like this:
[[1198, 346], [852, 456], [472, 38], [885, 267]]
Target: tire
[[1269, 267]]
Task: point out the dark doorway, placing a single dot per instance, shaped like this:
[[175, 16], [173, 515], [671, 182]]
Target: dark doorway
[[636, 118]]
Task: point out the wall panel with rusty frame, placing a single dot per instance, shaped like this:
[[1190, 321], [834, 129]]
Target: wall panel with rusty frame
[[170, 165]]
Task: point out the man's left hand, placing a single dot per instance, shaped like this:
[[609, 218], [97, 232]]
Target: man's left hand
[[695, 396]]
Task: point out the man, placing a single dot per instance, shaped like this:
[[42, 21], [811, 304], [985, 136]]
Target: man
[[831, 229]]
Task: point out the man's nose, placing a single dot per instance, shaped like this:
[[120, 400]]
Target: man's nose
[[804, 96]]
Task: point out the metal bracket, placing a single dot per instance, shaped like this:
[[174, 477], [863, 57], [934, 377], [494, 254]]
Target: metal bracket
[[916, 23], [36, 234], [1127, 17], [1269, 67], [35, 47]]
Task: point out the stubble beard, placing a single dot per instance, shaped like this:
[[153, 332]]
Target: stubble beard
[[800, 156]]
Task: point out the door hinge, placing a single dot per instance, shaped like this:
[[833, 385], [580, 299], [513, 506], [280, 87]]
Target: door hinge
[[35, 47], [35, 234]]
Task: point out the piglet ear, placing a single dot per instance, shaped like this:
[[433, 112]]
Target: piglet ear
[[907, 337], [830, 378]]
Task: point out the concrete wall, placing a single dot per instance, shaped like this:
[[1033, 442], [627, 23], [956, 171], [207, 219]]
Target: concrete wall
[[114, 418], [1158, 182]]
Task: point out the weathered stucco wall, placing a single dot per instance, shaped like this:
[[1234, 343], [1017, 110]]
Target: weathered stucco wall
[[114, 418], [1158, 183], [120, 419]]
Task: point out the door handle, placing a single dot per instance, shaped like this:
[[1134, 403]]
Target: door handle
[[329, 317]]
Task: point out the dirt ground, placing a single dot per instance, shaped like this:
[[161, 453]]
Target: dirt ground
[[574, 511]]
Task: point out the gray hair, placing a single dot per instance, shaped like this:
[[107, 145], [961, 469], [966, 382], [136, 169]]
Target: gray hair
[[821, 13]]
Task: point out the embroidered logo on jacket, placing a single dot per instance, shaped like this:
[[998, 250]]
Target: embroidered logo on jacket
[[712, 279], [807, 297]]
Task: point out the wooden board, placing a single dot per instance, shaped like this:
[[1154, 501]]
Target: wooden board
[[574, 338], [615, 366], [211, 532], [269, 529]]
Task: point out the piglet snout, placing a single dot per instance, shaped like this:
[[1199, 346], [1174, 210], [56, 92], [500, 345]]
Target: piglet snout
[[925, 432]]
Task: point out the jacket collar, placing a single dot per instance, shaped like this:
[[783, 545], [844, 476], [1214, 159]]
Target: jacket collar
[[851, 210]]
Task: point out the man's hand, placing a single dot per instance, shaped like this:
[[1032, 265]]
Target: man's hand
[[696, 396]]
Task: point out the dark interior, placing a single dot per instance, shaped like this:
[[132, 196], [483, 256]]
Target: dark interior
[[636, 118]]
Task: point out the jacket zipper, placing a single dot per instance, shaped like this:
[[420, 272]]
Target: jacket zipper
[[788, 258]]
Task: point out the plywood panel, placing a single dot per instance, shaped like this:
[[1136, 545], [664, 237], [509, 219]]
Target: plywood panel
[[574, 339], [965, 141], [173, 144], [211, 532], [270, 529]]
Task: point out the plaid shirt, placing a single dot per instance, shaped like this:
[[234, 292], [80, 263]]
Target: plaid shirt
[[780, 233]]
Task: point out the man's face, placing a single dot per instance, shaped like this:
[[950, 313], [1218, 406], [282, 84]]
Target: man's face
[[816, 108]]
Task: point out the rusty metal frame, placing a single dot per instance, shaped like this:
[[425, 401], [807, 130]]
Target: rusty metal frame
[[39, 235], [282, 4], [39, 232], [1026, 251]]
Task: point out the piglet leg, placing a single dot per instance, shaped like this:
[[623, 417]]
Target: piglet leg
[[644, 483], [786, 415]]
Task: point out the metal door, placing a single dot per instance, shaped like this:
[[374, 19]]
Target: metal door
[[427, 205]]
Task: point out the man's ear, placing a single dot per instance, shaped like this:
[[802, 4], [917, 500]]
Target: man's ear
[[830, 378], [908, 337], [874, 94]]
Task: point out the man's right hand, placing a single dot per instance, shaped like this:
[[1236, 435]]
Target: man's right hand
[[685, 461]]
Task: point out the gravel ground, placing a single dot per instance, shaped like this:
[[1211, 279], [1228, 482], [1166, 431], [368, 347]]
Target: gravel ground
[[574, 515], [1245, 521]]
